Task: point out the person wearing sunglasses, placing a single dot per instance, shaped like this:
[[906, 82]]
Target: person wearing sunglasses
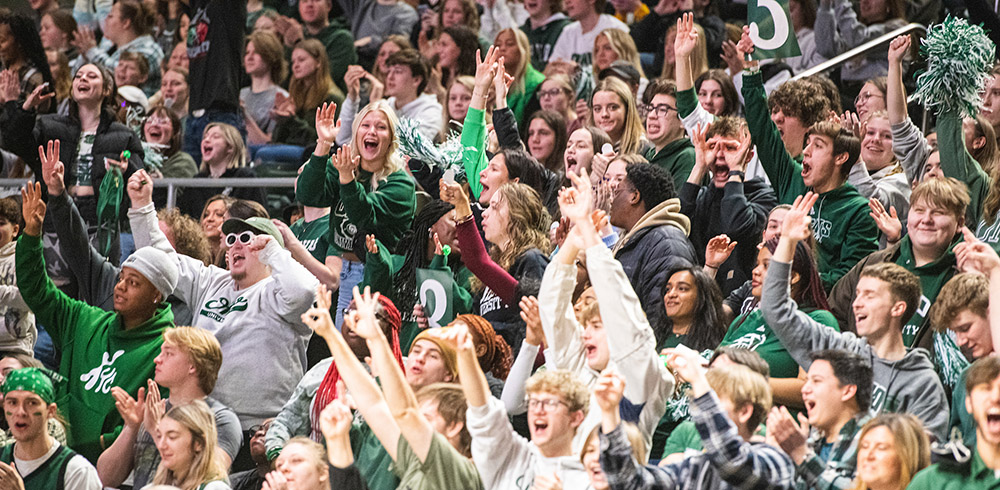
[[253, 308]]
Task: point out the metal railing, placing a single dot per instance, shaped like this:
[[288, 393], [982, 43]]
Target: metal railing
[[173, 184], [861, 49]]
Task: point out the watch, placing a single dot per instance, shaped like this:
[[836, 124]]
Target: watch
[[739, 173]]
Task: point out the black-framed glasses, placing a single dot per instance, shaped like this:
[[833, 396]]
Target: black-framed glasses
[[243, 238], [659, 110]]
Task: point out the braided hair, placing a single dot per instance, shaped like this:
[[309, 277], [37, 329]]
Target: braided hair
[[496, 357], [413, 247], [390, 322]]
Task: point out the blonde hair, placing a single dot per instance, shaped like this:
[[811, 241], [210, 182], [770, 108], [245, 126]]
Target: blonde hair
[[199, 420], [742, 386], [393, 162], [635, 439], [622, 44], [470, 84], [524, 46], [315, 450], [632, 128], [203, 349], [235, 141], [563, 384], [699, 57], [528, 223], [308, 93], [912, 446]]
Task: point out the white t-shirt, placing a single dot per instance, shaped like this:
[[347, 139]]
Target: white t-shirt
[[575, 45], [80, 474]]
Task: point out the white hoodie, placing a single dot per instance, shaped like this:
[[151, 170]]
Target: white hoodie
[[260, 328], [17, 322]]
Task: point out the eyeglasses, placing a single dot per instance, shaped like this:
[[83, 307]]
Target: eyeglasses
[[863, 98], [243, 238], [659, 110], [549, 93], [549, 404]]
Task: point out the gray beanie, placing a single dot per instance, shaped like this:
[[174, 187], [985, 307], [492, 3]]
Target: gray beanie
[[156, 266]]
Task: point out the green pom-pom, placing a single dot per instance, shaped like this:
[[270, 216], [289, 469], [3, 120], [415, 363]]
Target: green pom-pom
[[415, 145], [959, 59]]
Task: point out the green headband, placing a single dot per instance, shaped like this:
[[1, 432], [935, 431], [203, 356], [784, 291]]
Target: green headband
[[31, 379]]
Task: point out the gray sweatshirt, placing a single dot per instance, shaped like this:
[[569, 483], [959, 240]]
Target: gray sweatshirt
[[911, 149], [889, 186], [909, 385]]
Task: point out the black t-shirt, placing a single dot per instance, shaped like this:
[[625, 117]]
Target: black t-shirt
[[215, 50], [193, 199], [528, 269]]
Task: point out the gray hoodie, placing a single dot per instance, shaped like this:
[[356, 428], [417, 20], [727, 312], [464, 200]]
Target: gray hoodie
[[908, 385]]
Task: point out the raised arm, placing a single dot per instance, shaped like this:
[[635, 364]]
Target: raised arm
[[474, 128], [314, 186], [895, 94], [366, 393], [975, 256], [684, 43], [374, 209]]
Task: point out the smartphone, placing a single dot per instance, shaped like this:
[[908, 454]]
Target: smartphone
[[449, 176]]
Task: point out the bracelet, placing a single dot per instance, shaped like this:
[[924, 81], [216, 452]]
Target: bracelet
[[751, 70], [712, 267], [465, 219], [739, 173]]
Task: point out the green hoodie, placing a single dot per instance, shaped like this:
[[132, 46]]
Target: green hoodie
[[676, 157], [519, 100], [844, 231], [94, 347], [386, 211]]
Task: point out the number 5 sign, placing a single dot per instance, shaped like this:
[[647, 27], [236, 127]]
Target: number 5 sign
[[771, 29]]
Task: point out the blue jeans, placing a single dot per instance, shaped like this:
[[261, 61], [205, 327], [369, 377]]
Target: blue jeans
[[195, 129], [351, 274], [127, 245]]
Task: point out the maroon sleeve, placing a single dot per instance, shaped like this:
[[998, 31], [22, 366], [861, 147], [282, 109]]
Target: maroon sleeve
[[474, 257]]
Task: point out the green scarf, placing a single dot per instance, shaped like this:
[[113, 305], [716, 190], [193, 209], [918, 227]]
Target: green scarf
[[109, 208]]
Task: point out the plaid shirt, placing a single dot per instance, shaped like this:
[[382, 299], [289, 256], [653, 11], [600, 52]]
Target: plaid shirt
[[837, 472], [729, 462]]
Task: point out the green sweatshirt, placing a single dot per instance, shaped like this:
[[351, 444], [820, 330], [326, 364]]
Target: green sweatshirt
[[339, 43], [474, 149], [751, 332], [958, 163], [94, 347], [544, 38], [844, 231], [380, 271], [519, 100], [677, 157], [386, 211]]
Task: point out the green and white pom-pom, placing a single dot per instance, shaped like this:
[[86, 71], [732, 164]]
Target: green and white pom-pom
[[414, 144], [959, 59]]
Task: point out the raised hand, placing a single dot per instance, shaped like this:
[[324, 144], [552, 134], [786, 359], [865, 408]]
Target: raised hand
[[140, 189], [561, 231], [286, 233], [600, 162], [790, 436], [365, 323], [346, 162], [52, 168], [335, 420], [32, 208], [898, 49], [573, 206], [371, 244], [457, 335], [259, 242], [608, 390], [284, 106], [534, 335], [887, 222], [155, 407], [796, 226], [718, 251], [131, 409], [84, 39], [700, 141], [732, 57], [850, 121], [377, 89], [37, 96], [10, 89], [353, 80], [976, 256], [688, 365], [419, 317], [274, 481], [486, 69], [121, 163], [745, 47], [687, 36], [454, 194], [327, 124], [318, 318], [739, 159]]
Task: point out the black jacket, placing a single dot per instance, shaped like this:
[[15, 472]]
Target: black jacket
[[649, 253], [737, 210]]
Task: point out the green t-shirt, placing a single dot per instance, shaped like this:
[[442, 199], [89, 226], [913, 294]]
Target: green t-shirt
[[749, 331], [313, 236], [684, 437], [371, 458], [444, 467]]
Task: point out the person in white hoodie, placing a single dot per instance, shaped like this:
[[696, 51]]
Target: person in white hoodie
[[407, 75], [586, 350], [17, 322], [254, 308], [557, 405]]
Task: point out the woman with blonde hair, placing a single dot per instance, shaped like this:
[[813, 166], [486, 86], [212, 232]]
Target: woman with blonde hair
[[365, 185], [892, 448], [613, 45], [456, 105], [515, 49], [698, 56], [223, 155], [302, 465], [186, 439], [309, 88], [613, 110]]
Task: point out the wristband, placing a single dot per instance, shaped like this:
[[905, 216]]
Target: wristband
[[739, 173], [751, 70]]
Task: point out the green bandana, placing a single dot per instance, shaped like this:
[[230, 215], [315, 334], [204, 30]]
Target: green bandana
[[30, 379]]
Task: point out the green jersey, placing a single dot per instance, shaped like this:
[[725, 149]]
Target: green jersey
[[313, 236], [750, 332]]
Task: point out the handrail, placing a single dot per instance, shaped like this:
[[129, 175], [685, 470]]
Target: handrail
[[861, 49], [172, 184]]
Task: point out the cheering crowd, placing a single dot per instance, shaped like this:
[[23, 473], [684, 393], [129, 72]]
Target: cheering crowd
[[538, 244]]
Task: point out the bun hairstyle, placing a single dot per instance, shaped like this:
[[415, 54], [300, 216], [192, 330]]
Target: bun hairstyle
[[142, 17]]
